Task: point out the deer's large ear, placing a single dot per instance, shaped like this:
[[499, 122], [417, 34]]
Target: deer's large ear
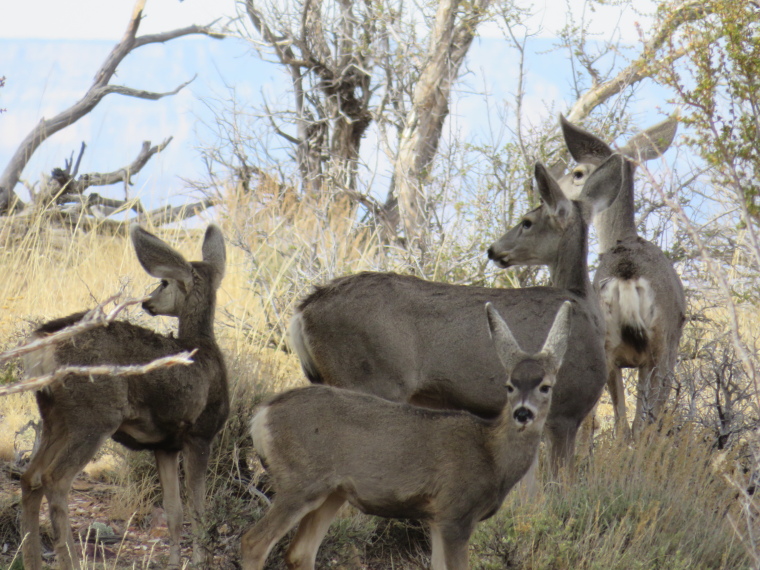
[[214, 252], [556, 341], [548, 188], [605, 183], [583, 146], [652, 142], [159, 259], [507, 349]]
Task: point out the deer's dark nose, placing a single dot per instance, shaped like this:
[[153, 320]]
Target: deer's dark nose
[[523, 415], [147, 308], [491, 253]]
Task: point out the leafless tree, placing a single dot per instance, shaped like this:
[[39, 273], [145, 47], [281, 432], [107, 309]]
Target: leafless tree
[[63, 187], [355, 63]]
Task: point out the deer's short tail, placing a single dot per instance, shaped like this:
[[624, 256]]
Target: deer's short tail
[[630, 309], [299, 342]]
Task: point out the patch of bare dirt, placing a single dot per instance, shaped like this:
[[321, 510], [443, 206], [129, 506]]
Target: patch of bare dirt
[[101, 537]]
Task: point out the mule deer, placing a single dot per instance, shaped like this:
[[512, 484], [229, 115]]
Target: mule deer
[[323, 446], [641, 294], [406, 339], [167, 411]]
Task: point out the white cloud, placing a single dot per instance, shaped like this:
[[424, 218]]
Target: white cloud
[[107, 19], [103, 19]]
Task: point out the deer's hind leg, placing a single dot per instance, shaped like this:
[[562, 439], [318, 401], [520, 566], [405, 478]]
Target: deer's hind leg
[[195, 463], [616, 389], [302, 553], [285, 512], [31, 499], [655, 380], [75, 452]]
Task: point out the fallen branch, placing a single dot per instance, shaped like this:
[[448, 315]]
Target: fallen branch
[[39, 382], [167, 214], [96, 317], [62, 187]]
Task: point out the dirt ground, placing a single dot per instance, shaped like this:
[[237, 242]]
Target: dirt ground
[[123, 545]]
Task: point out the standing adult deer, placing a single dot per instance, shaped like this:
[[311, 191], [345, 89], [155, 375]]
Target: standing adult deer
[[169, 410], [422, 342], [641, 294], [323, 446]]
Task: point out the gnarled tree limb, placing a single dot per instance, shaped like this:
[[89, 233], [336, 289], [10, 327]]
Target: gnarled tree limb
[[61, 188], [642, 67], [9, 201]]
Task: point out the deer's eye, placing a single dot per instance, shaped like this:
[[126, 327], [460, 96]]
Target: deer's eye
[[578, 174], [526, 224], [510, 388], [164, 283], [545, 389]]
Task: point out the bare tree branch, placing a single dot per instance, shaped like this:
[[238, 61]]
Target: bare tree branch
[[645, 65], [9, 201], [142, 94], [38, 382], [164, 37], [95, 317]]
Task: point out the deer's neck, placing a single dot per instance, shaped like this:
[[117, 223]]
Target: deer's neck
[[197, 322], [618, 221], [570, 269], [513, 448]]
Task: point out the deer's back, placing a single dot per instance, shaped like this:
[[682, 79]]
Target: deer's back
[[407, 339], [157, 409], [387, 458]]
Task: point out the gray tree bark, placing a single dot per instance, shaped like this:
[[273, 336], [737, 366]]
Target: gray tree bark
[[455, 26]]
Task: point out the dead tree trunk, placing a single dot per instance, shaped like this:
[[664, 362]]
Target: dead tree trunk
[[455, 26], [330, 119]]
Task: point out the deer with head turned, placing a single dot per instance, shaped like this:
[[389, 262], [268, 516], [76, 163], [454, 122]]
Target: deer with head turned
[[167, 411], [410, 340], [641, 294], [323, 446]]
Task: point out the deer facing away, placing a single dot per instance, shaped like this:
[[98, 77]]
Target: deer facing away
[[406, 339], [323, 446], [641, 294], [167, 411]]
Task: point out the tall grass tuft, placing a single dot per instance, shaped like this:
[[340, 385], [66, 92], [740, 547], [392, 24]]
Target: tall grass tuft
[[658, 504]]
